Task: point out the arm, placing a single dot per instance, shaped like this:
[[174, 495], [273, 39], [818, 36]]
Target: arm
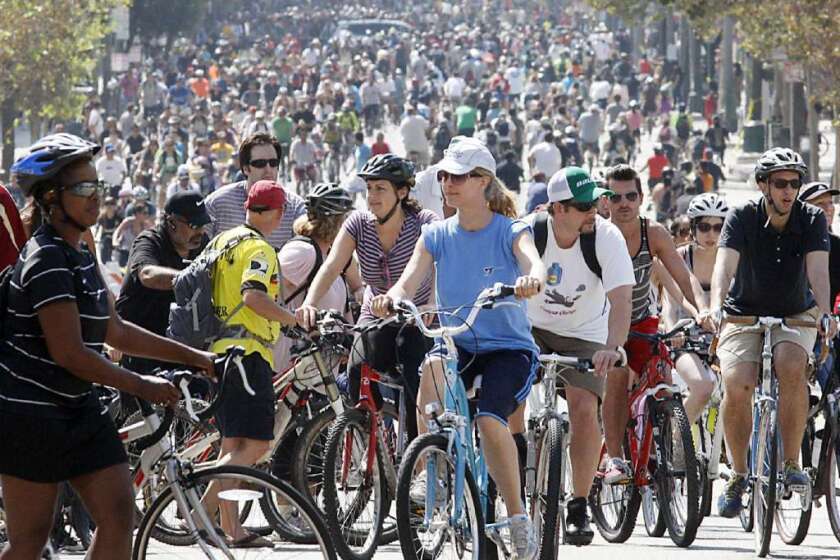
[[529, 262], [619, 321], [816, 266], [664, 249], [726, 264], [260, 303], [674, 292], [157, 277]]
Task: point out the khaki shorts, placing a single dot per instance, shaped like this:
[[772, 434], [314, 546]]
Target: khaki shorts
[[566, 346], [737, 345]]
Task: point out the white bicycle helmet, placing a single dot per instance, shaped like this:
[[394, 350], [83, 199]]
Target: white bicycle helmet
[[707, 205], [779, 159]]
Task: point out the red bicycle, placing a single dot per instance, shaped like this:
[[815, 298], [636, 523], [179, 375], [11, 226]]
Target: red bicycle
[[659, 447]]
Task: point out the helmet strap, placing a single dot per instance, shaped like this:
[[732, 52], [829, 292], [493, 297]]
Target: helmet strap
[[390, 213], [67, 217]]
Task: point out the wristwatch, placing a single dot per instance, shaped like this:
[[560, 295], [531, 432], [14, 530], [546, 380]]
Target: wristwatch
[[623, 353]]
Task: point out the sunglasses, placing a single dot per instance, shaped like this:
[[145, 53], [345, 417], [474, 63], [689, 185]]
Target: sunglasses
[[87, 189], [193, 227], [455, 179], [704, 227], [682, 232], [629, 197], [784, 183], [582, 206], [260, 163]]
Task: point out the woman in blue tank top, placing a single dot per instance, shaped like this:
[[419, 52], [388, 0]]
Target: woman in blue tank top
[[482, 245]]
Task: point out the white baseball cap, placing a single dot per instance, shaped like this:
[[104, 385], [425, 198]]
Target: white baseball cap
[[465, 154]]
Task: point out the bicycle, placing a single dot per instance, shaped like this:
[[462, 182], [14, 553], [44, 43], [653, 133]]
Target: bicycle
[[657, 423], [258, 497], [767, 488], [449, 456]]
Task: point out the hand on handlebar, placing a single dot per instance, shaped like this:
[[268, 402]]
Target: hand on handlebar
[[604, 360], [710, 320], [158, 391], [527, 286], [307, 316], [206, 362], [382, 306], [827, 326]]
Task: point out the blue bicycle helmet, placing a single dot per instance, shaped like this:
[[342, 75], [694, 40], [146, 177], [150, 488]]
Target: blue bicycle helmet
[[49, 155]]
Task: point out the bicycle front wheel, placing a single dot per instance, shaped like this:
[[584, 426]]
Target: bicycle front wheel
[[654, 520], [356, 499], [831, 487], [429, 528], [793, 509], [764, 485], [614, 507], [545, 502], [245, 490]]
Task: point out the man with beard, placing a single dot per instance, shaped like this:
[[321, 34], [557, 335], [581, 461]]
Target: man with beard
[[157, 256], [583, 313]]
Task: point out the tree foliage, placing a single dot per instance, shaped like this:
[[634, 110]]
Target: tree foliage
[[152, 18]]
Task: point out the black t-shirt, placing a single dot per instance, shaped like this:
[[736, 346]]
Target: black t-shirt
[[511, 174], [144, 306], [834, 267], [48, 271], [771, 279]]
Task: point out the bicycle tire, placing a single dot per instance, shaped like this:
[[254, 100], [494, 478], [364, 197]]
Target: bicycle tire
[[794, 533], [252, 479], [832, 496], [406, 511], [307, 462], [652, 514], [353, 543], [627, 496], [545, 503], [764, 495], [675, 430]]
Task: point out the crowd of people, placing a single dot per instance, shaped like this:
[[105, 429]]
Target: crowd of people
[[265, 137]]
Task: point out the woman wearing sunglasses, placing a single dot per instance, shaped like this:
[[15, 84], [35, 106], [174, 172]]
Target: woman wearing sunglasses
[[383, 237], [58, 316], [481, 245], [706, 214]]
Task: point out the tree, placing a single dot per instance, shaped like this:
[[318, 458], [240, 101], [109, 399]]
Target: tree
[[46, 50], [152, 18]]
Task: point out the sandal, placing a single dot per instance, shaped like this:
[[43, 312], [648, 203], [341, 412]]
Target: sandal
[[252, 540]]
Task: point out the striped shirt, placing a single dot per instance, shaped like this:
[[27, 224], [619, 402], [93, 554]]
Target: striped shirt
[[381, 270], [226, 207], [642, 263], [48, 271]]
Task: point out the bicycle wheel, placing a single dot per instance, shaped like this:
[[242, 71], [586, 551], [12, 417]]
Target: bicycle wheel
[[676, 477], [793, 510], [250, 486], [356, 498], [654, 520], [831, 485], [746, 516], [614, 507], [764, 484], [545, 503], [428, 535], [307, 462]]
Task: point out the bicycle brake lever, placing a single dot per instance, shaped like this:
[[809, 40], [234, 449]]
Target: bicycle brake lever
[[184, 385]]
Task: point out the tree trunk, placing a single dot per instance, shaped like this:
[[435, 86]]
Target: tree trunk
[[7, 123], [813, 130], [726, 102], [754, 95], [836, 175]]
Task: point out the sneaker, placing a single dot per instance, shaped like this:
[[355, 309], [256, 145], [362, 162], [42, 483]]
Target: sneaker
[[523, 538], [418, 489], [730, 502], [578, 531], [617, 471], [795, 478]]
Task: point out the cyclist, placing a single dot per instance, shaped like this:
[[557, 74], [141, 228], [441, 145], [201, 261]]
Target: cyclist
[[706, 214], [776, 251], [383, 237], [584, 314], [371, 96], [822, 195], [303, 155], [331, 134], [283, 126], [60, 315], [646, 241], [481, 245]]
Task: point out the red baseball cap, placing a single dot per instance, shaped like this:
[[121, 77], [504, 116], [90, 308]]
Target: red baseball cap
[[265, 195]]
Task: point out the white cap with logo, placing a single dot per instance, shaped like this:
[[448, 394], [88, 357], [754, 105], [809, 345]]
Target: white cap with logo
[[465, 154]]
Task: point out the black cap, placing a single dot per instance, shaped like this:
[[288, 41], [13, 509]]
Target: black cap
[[188, 205]]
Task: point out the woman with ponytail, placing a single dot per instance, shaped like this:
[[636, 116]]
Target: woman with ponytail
[[481, 245]]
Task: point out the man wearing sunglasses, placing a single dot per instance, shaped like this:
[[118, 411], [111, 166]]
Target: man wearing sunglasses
[[645, 240], [822, 195], [581, 314], [156, 258], [259, 157], [776, 251]]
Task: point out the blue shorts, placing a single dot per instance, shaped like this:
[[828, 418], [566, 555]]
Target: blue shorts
[[507, 376]]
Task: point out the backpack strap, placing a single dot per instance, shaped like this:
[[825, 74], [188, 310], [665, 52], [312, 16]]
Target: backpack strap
[[319, 260], [541, 231], [590, 255]]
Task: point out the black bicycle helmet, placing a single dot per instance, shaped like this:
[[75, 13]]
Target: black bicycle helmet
[[390, 167], [779, 159], [49, 155], [328, 199]]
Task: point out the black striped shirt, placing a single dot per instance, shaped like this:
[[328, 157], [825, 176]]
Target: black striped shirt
[[48, 271]]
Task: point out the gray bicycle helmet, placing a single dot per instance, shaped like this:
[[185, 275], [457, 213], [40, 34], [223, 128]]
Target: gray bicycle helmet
[[707, 205], [390, 167], [779, 159], [49, 155], [328, 199]]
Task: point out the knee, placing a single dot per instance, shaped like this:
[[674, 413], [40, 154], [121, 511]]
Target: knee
[[118, 516], [702, 389], [583, 411]]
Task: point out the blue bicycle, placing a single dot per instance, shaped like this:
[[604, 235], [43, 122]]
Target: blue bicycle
[[450, 522]]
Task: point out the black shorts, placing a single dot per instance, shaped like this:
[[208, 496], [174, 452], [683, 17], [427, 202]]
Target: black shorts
[[50, 450], [242, 415], [506, 379]]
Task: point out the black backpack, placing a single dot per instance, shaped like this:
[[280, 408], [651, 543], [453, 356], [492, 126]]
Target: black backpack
[[587, 243], [683, 130]]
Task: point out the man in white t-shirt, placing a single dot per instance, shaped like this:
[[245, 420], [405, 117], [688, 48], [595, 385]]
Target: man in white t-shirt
[[454, 87], [515, 77], [581, 314], [545, 157], [413, 130], [427, 191], [110, 167]]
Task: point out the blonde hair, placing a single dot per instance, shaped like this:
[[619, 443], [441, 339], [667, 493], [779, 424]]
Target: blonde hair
[[324, 229], [499, 198]]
